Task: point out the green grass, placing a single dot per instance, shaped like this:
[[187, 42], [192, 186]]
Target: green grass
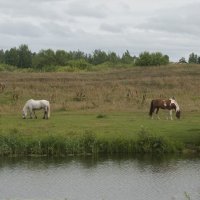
[[84, 132]]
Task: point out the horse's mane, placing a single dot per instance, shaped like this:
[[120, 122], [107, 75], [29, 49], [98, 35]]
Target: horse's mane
[[173, 101]]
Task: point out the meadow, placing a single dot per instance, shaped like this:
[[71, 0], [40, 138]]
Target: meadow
[[101, 111]]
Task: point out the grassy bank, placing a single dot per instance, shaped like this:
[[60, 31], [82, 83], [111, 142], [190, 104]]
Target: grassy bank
[[72, 133], [101, 111]]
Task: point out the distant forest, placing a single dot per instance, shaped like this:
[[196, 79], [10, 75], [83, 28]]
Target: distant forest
[[23, 57]]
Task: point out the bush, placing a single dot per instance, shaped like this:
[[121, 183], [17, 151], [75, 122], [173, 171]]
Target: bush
[[147, 143], [5, 67], [152, 59], [80, 64]]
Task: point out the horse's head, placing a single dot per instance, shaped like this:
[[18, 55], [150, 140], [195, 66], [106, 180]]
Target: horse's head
[[178, 114]]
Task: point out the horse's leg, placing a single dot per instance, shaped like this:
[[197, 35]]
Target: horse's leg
[[34, 114], [45, 113], [167, 115], [157, 113], [30, 111], [170, 113], [152, 113]]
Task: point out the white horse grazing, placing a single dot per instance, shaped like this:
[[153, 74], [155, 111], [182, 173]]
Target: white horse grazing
[[32, 105]]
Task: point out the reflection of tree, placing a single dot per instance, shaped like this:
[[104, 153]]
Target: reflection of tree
[[156, 164]]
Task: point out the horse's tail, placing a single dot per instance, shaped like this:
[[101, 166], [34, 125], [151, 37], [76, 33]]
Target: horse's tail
[[151, 109], [48, 111]]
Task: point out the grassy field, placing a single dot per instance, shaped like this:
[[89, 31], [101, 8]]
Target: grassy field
[[100, 112]]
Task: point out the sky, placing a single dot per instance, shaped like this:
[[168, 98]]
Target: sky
[[171, 27]]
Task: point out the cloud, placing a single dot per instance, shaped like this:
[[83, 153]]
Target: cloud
[[56, 30], [117, 28], [22, 29], [171, 27], [88, 9], [183, 20]]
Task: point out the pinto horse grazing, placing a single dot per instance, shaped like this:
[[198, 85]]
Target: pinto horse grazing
[[31, 105], [169, 104]]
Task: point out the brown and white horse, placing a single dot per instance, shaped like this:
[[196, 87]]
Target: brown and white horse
[[169, 104]]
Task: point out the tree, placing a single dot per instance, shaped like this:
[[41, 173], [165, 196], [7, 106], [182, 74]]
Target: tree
[[152, 59], [127, 58], [62, 57], [12, 57], [158, 59], [193, 58], [99, 57], [198, 60], [166, 59], [77, 55], [144, 59], [112, 57], [2, 55], [182, 60], [45, 58], [25, 56]]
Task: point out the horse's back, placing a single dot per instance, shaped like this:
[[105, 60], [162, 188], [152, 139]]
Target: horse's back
[[38, 101], [45, 102], [164, 104], [37, 104]]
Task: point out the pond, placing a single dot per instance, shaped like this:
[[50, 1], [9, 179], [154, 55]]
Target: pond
[[102, 178]]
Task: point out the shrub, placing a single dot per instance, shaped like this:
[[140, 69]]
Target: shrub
[[148, 143], [80, 64]]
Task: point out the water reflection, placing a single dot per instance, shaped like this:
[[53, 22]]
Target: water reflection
[[116, 177], [143, 161]]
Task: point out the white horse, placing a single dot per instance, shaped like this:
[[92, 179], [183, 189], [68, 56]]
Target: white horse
[[31, 105]]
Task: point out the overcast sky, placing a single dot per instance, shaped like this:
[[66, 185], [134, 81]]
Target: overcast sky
[[169, 26]]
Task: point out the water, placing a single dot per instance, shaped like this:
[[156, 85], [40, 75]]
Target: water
[[139, 178]]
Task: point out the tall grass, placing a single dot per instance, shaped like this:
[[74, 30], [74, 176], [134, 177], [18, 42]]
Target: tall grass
[[86, 144], [100, 91]]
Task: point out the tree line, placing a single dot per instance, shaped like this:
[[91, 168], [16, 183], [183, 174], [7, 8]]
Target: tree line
[[194, 58], [23, 57]]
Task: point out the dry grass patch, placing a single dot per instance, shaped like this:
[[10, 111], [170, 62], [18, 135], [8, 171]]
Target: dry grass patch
[[115, 90]]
